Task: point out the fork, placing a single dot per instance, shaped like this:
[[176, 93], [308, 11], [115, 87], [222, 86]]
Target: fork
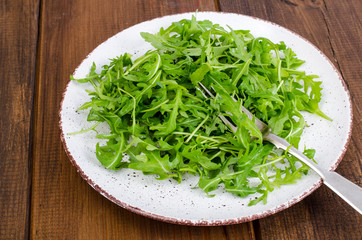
[[347, 190]]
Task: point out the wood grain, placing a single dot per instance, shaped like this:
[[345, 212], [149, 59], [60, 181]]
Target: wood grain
[[64, 206], [18, 36], [333, 26]]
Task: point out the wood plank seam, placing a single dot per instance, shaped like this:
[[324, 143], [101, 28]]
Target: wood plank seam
[[289, 3], [323, 11], [256, 228], [34, 116], [217, 5]]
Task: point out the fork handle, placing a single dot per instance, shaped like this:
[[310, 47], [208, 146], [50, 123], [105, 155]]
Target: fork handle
[[347, 190]]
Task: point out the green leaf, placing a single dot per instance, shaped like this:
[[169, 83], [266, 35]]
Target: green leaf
[[241, 191], [153, 164], [169, 126], [198, 157], [111, 154], [199, 74], [91, 76], [259, 199], [208, 185]]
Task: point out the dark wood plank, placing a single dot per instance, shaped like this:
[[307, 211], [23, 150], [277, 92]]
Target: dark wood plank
[[63, 204], [333, 26], [18, 36], [345, 38]]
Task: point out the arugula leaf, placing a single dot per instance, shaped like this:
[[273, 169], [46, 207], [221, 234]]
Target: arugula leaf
[[197, 157], [153, 163], [199, 74], [111, 154], [170, 124]]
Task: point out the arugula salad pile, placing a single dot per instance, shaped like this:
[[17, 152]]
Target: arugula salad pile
[[167, 127]]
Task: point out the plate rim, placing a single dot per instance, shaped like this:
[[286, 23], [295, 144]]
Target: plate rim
[[269, 212]]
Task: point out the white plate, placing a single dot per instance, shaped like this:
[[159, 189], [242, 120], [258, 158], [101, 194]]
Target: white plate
[[180, 203]]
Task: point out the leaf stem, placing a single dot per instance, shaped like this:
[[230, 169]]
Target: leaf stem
[[197, 128], [86, 130], [133, 111]]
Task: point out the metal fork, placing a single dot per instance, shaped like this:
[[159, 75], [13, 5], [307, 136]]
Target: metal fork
[[347, 190]]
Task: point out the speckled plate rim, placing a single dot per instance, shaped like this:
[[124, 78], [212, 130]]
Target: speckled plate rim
[[218, 222]]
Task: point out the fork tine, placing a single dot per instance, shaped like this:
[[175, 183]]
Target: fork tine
[[206, 90], [228, 123], [222, 117], [261, 125]]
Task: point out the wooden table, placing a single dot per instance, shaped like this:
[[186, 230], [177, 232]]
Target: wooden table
[[41, 194]]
